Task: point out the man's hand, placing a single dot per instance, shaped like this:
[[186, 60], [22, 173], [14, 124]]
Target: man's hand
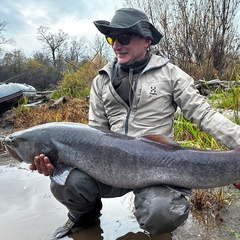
[[43, 165], [237, 185]]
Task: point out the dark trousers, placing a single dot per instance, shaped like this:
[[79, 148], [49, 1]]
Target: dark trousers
[[158, 209]]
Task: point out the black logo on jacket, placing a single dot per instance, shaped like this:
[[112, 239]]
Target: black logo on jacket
[[153, 91]]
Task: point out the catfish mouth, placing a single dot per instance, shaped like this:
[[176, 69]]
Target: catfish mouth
[[13, 154], [7, 143]]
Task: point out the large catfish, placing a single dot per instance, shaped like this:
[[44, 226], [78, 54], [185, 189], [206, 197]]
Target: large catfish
[[123, 161]]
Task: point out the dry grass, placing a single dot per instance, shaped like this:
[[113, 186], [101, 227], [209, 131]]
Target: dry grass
[[73, 110], [215, 198]]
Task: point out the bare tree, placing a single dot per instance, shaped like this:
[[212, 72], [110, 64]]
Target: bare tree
[[224, 32], [101, 49], [55, 43], [200, 36], [4, 40], [42, 58], [77, 49]]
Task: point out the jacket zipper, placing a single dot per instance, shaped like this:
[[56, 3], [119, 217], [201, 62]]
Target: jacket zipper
[[131, 97]]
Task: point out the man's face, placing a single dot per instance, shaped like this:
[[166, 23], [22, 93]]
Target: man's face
[[134, 51]]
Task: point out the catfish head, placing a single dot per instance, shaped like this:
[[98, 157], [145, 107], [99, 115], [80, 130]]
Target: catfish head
[[24, 145]]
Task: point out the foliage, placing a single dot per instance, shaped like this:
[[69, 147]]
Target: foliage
[[38, 74], [77, 84], [201, 37], [14, 61], [230, 98], [226, 99], [189, 135]]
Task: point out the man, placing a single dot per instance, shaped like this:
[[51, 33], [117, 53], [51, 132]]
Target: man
[[137, 94]]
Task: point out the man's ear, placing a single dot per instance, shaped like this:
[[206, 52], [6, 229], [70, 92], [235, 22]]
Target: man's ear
[[149, 41]]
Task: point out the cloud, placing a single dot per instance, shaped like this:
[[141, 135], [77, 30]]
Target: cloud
[[76, 18]]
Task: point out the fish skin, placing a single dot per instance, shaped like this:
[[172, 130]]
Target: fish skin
[[122, 161]]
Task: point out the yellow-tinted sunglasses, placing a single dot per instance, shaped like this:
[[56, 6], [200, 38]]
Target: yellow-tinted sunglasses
[[123, 38]]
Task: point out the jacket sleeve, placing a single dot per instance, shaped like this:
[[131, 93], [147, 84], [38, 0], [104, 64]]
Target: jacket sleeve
[[97, 115], [196, 109]]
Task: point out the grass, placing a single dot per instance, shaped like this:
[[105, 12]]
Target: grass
[[189, 135]]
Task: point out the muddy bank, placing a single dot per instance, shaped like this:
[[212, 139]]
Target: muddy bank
[[29, 211]]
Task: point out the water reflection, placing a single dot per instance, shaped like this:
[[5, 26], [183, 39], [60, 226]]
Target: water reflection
[[95, 233], [142, 236], [91, 233]]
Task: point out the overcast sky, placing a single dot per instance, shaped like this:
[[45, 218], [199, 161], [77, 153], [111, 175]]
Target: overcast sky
[[74, 17]]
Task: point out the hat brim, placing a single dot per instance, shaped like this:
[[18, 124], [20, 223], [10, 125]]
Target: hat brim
[[141, 28]]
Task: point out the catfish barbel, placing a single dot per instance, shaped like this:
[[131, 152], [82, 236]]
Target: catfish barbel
[[122, 161]]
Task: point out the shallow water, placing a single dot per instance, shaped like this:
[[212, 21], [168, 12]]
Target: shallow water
[[29, 211]]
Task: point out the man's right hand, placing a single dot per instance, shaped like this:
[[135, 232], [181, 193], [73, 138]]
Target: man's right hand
[[43, 165]]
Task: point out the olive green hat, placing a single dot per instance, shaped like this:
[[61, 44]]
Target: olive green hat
[[130, 20]]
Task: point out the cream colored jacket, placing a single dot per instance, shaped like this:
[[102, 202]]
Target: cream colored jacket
[[160, 88]]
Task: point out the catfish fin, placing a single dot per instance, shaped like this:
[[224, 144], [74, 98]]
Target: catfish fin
[[61, 173], [162, 139]]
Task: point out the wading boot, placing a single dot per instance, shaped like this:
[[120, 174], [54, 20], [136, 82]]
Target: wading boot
[[72, 227]]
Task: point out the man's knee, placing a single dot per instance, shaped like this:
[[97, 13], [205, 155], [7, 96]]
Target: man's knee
[[160, 209], [79, 188], [80, 195]]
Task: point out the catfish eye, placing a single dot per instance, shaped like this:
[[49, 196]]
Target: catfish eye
[[12, 139], [9, 140]]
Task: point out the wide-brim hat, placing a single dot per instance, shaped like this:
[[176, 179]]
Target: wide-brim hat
[[130, 20]]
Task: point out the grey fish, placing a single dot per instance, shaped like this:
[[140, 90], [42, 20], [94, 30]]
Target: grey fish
[[123, 161]]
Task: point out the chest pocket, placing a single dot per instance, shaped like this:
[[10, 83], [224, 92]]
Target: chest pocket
[[154, 94]]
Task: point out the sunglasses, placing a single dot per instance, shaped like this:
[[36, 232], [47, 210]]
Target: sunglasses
[[123, 38]]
